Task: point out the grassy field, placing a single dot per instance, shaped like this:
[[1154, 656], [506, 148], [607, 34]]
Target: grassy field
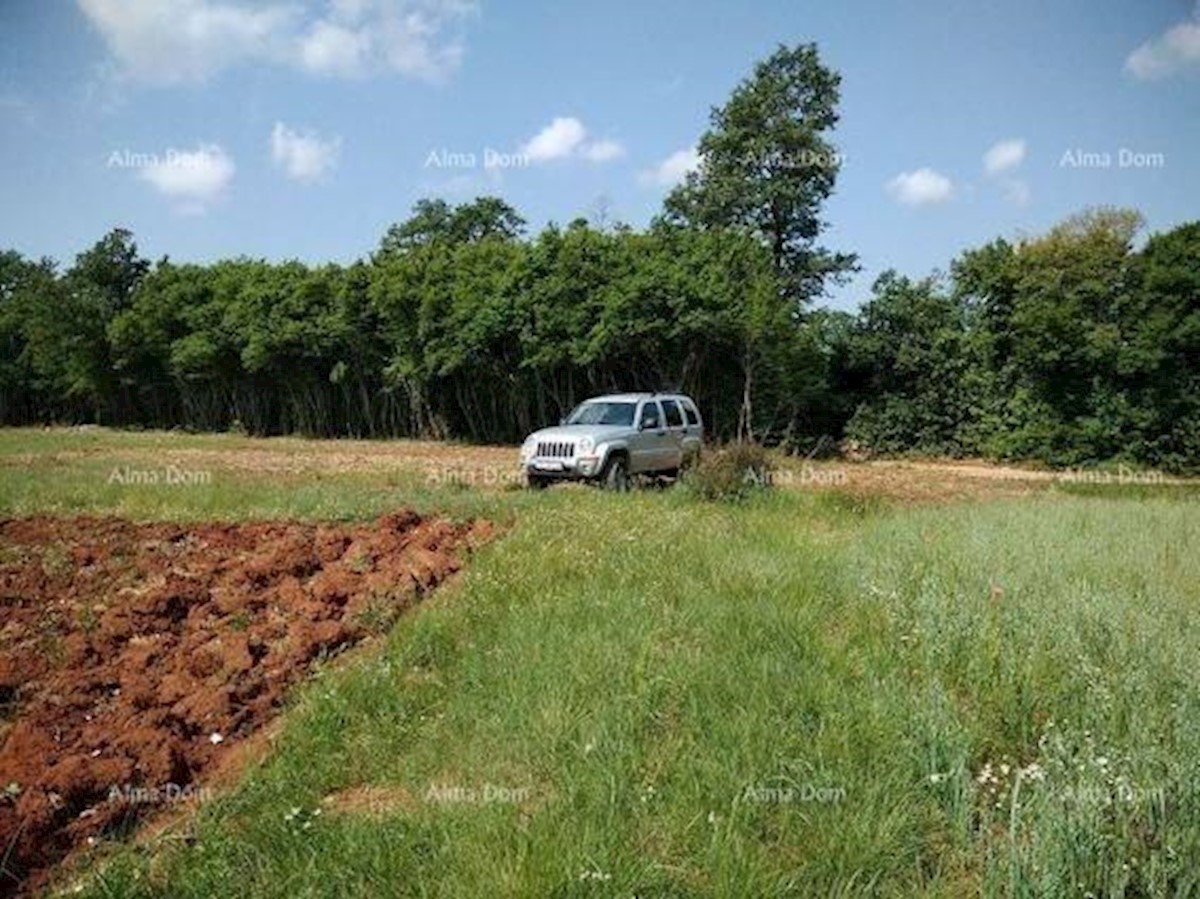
[[813, 693]]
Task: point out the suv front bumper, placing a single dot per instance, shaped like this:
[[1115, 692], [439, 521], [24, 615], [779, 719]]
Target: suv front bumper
[[576, 469]]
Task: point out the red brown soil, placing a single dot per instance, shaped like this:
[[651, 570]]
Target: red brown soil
[[137, 657]]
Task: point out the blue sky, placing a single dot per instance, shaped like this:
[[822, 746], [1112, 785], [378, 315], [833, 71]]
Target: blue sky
[[293, 129]]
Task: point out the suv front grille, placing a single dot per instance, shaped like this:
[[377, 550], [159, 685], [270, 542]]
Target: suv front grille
[[556, 450]]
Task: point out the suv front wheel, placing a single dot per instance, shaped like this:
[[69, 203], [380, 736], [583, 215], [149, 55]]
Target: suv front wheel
[[616, 474]]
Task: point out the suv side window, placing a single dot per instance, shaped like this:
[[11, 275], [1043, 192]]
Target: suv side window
[[674, 419], [651, 417], [693, 418]]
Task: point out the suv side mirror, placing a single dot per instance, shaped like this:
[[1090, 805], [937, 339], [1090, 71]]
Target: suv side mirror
[[648, 424]]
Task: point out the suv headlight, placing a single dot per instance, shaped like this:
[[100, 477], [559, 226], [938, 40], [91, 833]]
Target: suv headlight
[[528, 447], [585, 445]]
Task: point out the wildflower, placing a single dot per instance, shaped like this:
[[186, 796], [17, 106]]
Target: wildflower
[[215, 738], [1033, 771]]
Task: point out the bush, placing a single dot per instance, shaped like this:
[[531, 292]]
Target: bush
[[732, 472]]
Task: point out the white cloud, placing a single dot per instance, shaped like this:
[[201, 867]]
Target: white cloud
[[567, 138], [924, 187], [1176, 50], [305, 157], [191, 178], [604, 150], [174, 41], [671, 170], [166, 42], [330, 49], [1000, 160], [557, 140], [1007, 154], [410, 41], [413, 37]]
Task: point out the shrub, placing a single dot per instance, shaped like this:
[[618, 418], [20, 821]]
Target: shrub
[[732, 472]]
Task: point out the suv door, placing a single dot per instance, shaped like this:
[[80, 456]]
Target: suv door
[[649, 445], [693, 434], [676, 430]]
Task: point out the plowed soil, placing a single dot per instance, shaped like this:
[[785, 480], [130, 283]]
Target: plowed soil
[[134, 658]]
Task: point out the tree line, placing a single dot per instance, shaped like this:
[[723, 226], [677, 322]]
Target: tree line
[[1075, 346], [456, 327], [1071, 347]]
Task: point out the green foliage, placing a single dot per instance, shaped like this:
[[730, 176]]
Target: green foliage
[[455, 328], [767, 166], [1071, 348], [57, 328], [436, 222], [21, 283], [911, 350], [732, 472]]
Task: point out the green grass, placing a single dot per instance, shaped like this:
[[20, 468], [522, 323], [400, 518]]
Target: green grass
[[798, 695]]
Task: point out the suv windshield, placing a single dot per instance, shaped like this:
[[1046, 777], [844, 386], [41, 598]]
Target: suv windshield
[[602, 414]]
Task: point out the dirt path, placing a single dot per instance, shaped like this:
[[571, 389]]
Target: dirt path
[[495, 467], [277, 455], [944, 481]]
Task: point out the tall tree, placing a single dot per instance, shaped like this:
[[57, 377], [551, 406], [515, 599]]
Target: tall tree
[[767, 166]]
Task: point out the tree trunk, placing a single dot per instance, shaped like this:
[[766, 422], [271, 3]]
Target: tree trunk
[[745, 428]]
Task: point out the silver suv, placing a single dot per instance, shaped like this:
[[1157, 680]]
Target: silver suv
[[611, 438]]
